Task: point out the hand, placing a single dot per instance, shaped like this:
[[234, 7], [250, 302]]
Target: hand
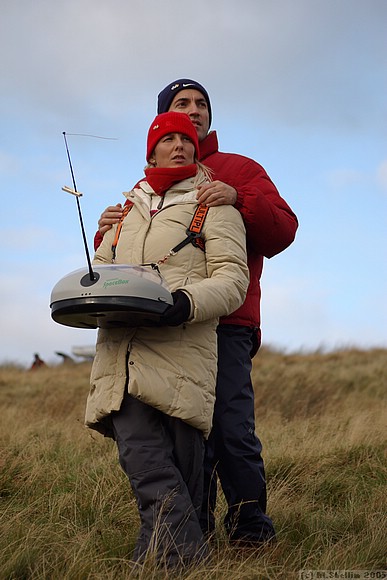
[[179, 312], [110, 216], [216, 193]]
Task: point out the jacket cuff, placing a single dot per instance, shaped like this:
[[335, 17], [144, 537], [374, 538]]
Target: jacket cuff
[[191, 313], [239, 201]]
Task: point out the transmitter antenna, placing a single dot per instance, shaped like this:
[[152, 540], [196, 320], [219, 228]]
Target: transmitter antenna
[[77, 195]]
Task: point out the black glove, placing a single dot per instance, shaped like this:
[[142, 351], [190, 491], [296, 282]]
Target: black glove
[[179, 312]]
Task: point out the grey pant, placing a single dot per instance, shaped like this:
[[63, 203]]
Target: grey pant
[[163, 459]]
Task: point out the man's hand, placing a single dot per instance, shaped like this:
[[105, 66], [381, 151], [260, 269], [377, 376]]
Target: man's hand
[[216, 193], [110, 216]]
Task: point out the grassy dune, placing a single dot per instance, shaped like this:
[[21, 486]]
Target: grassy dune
[[67, 511]]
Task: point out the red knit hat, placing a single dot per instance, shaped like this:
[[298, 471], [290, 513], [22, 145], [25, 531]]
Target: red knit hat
[[172, 122]]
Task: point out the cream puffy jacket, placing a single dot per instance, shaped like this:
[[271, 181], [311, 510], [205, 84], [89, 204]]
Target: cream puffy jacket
[[170, 368]]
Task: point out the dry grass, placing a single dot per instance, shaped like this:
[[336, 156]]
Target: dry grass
[[67, 511]]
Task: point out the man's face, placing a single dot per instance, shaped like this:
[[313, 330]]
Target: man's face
[[193, 103]]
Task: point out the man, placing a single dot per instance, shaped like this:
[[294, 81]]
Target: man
[[233, 450], [37, 362]]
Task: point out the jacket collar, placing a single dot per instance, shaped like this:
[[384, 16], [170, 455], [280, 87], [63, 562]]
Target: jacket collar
[[209, 145], [145, 198]]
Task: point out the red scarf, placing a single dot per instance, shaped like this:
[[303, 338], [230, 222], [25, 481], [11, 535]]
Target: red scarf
[[162, 178]]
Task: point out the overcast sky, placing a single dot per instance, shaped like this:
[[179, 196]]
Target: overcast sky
[[299, 86]]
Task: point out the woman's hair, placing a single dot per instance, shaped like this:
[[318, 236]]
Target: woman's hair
[[203, 171]]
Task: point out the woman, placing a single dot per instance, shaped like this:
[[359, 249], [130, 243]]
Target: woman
[[152, 388]]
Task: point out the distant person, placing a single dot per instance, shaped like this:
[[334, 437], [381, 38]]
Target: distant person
[[233, 450], [37, 363], [153, 388]]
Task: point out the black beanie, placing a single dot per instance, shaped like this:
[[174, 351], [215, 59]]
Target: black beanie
[[167, 95]]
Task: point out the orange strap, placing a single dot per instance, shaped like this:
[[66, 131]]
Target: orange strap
[[193, 232], [127, 207], [198, 219]]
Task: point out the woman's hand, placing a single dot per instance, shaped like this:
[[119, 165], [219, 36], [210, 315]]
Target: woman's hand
[[179, 312], [110, 216]]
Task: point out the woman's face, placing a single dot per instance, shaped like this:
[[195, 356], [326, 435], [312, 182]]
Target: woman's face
[[173, 150]]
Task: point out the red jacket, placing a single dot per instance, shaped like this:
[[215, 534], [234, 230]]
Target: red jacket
[[270, 223]]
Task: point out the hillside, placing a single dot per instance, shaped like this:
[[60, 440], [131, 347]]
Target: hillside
[[67, 510]]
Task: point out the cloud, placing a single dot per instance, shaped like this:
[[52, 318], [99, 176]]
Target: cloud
[[8, 163], [300, 86], [306, 313], [346, 178], [25, 290], [381, 175], [89, 58]]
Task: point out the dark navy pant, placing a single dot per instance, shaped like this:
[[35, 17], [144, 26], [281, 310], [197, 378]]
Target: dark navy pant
[[163, 459], [233, 450]]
